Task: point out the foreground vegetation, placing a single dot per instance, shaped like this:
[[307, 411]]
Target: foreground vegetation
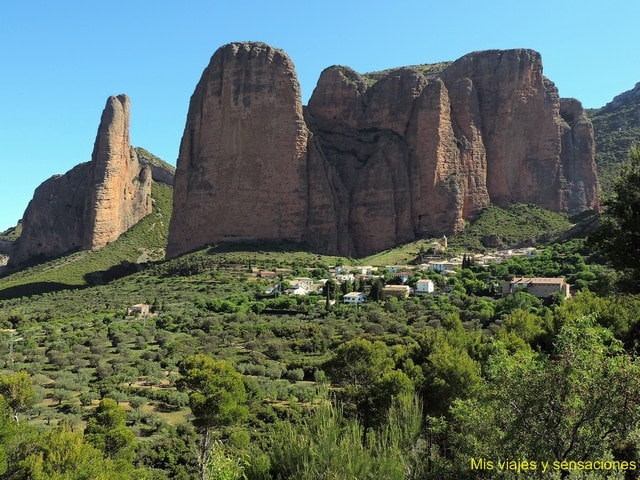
[[226, 379], [382, 390]]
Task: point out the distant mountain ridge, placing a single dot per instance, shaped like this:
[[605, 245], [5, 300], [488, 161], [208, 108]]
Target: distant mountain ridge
[[617, 129]]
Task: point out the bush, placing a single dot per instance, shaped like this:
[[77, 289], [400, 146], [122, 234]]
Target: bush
[[295, 375]]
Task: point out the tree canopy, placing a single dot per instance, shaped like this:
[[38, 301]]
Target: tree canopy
[[618, 238]]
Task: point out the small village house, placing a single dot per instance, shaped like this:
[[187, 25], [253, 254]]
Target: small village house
[[141, 309], [398, 291], [353, 297], [540, 287], [345, 277], [447, 266], [424, 286], [403, 276]]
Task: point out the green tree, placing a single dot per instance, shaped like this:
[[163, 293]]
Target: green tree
[[327, 445], [217, 398], [579, 403], [375, 293], [18, 392], [358, 363], [62, 454], [618, 238], [106, 430], [366, 369]]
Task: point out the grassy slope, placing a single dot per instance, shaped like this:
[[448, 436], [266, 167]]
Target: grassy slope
[[520, 224], [145, 241], [517, 225]]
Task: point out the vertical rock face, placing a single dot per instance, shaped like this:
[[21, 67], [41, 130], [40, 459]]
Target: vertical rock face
[[380, 158], [578, 150], [54, 221], [242, 166], [93, 203], [523, 132], [119, 193]]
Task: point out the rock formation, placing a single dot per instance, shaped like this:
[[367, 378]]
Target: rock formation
[[376, 159], [243, 154], [92, 204]]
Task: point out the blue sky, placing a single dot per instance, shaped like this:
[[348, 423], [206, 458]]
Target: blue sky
[[59, 61]]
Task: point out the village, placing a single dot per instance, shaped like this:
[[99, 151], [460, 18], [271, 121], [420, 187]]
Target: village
[[403, 281]]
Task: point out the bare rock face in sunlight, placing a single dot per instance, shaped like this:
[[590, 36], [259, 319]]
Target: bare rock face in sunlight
[[379, 158], [92, 204], [537, 151], [242, 166], [119, 193]]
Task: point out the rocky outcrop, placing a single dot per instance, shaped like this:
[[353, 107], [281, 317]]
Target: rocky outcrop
[[92, 204], [523, 131], [241, 170], [119, 192], [161, 171], [380, 158]]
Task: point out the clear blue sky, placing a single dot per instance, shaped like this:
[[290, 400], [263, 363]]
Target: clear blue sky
[[60, 60]]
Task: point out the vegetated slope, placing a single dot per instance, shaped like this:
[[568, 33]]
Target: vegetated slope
[[81, 345], [617, 129], [144, 242], [515, 226], [518, 225], [511, 227], [12, 233], [161, 171]]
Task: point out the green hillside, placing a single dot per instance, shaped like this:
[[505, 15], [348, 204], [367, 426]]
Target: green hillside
[[296, 355], [617, 128], [517, 225], [145, 242]]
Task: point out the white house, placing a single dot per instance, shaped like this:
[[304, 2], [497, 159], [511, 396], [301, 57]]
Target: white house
[[345, 277], [402, 276], [366, 270], [353, 297], [424, 286], [443, 266], [398, 268], [296, 290]]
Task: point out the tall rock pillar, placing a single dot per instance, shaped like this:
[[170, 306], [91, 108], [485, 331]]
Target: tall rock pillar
[[241, 171], [120, 190]]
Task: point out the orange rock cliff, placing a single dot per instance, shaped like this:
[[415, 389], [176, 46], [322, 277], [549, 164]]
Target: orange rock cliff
[[377, 159]]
